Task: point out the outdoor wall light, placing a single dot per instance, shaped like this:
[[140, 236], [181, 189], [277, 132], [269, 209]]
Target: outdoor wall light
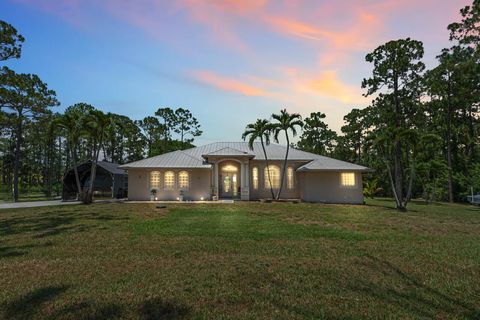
[[201, 198]]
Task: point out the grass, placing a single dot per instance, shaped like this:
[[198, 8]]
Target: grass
[[240, 261]]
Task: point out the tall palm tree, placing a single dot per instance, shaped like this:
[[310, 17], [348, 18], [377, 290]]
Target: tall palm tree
[[261, 129], [285, 122], [71, 126], [97, 124]]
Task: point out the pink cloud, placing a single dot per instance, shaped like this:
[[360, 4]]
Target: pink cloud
[[227, 84], [328, 84]]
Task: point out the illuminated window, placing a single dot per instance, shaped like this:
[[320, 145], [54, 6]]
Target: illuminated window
[[274, 177], [169, 180], [347, 179], [183, 180], [255, 178], [229, 168], [290, 178], [154, 180]]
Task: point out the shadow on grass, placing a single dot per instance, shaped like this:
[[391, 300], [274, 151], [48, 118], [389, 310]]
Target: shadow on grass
[[54, 223], [16, 251], [411, 294], [160, 309], [148, 310], [30, 304], [84, 310]]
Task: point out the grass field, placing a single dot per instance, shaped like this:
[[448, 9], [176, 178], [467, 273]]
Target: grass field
[[240, 261]]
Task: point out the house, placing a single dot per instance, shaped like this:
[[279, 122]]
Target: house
[[231, 170], [110, 180]]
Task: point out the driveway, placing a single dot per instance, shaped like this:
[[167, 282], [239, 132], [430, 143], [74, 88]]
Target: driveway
[[31, 204]]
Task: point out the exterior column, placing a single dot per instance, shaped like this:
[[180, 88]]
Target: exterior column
[[215, 180], [245, 181]]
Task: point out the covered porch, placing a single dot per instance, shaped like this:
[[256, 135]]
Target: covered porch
[[230, 174]]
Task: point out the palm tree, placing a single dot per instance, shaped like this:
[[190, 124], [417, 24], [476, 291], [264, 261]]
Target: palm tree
[[97, 124], [261, 129], [285, 122], [72, 128]]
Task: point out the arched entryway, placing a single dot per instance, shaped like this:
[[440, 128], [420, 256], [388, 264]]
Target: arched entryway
[[229, 179]]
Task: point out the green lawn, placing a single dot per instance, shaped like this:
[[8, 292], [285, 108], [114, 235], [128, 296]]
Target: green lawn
[[240, 261]]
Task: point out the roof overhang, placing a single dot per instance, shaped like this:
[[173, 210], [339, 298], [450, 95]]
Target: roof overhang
[[366, 170], [216, 156]]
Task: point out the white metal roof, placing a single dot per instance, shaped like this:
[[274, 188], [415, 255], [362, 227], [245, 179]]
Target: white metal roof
[[193, 158], [175, 159], [330, 164], [228, 152]]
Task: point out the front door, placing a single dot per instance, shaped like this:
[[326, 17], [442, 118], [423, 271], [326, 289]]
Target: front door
[[229, 185]]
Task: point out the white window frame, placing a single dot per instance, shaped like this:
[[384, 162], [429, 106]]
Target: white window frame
[[342, 180], [255, 178], [265, 177], [165, 187], [290, 178], [188, 180], [159, 174]]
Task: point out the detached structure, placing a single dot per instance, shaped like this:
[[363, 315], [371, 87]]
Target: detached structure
[[230, 170], [110, 180]]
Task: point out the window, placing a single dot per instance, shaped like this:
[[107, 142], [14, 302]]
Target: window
[[274, 177], [183, 180], [229, 168], [154, 180], [169, 180], [255, 178], [290, 178], [347, 179]]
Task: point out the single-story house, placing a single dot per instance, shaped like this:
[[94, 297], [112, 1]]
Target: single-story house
[[110, 180], [231, 170]]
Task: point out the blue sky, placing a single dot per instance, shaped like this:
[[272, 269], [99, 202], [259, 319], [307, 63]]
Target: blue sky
[[230, 62]]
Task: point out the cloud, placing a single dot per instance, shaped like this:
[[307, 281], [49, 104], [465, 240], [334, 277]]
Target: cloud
[[227, 84], [355, 33], [328, 84]]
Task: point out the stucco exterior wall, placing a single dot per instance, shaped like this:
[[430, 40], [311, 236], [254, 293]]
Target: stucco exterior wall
[[318, 186], [263, 192], [139, 185], [323, 186]]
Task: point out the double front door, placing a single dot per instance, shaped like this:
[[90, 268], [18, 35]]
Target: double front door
[[229, 185]]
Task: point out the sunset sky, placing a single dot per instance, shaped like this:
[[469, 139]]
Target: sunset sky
[[230, 62]]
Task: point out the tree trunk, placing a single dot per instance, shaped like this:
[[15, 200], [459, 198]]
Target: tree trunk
[[449, 145], [473, 137], [284, 169], [268, 168], [77, 177], [398, 201], [398, 170], [410, 185], [93, 172], [18, 144]]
